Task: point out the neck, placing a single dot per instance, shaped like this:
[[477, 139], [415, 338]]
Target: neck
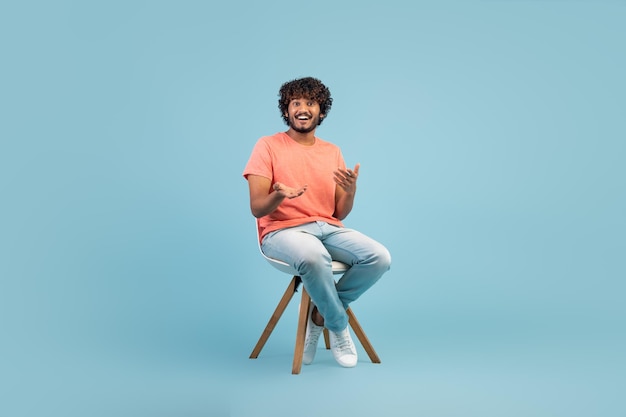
[[307, 139]]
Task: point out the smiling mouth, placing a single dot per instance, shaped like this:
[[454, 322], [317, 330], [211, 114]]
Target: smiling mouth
[[303, 117]]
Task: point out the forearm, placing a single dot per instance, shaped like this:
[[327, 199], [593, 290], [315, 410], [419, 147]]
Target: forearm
[[264, 198], [343, 205], [345, 190], [263, 206]]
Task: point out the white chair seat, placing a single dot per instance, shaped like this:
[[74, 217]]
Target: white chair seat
[[338, 267]]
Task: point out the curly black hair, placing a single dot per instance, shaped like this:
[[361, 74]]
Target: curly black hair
[[307, 88]]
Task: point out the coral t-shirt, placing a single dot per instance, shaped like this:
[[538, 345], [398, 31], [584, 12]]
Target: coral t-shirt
[[282, 159]]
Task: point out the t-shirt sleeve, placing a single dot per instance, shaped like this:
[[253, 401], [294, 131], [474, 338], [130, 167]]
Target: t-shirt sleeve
[[260, 162]]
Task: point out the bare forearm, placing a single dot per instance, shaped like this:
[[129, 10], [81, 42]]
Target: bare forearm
[[263, 202], [345, 191], [343, 205], [263, 206]]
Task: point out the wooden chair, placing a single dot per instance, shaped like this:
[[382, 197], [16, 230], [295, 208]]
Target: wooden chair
[[292, 288]]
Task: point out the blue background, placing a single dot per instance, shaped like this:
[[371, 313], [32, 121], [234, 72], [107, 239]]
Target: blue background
[[491, 140]]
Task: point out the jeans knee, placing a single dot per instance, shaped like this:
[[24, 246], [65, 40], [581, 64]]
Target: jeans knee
[[382, 259]]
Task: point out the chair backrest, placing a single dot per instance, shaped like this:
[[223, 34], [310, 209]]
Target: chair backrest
[[338, 267]]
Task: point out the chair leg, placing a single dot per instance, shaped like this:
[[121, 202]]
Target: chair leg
[[360, 334], [326, 338], [302, 324], [282, 305], [301, 332]]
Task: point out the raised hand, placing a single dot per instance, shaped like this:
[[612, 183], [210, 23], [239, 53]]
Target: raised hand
[[346, 178]]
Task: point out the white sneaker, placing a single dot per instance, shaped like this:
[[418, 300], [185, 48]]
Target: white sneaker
[[313, 332], [343, 349]]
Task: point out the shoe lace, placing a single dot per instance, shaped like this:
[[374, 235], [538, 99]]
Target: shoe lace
[[314, 335], [343, 342]]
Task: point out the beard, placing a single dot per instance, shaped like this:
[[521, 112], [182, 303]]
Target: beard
[[314, 123]]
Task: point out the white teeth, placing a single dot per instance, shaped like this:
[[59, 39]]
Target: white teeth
[[303, 118]]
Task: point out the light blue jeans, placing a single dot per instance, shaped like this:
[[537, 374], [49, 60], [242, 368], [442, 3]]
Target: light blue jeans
[[311, 247]]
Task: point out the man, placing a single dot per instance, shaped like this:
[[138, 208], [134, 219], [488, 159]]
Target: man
[[300, 191]]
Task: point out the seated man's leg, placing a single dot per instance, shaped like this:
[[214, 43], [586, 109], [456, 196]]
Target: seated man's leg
[[368, 260], [301, 248]]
